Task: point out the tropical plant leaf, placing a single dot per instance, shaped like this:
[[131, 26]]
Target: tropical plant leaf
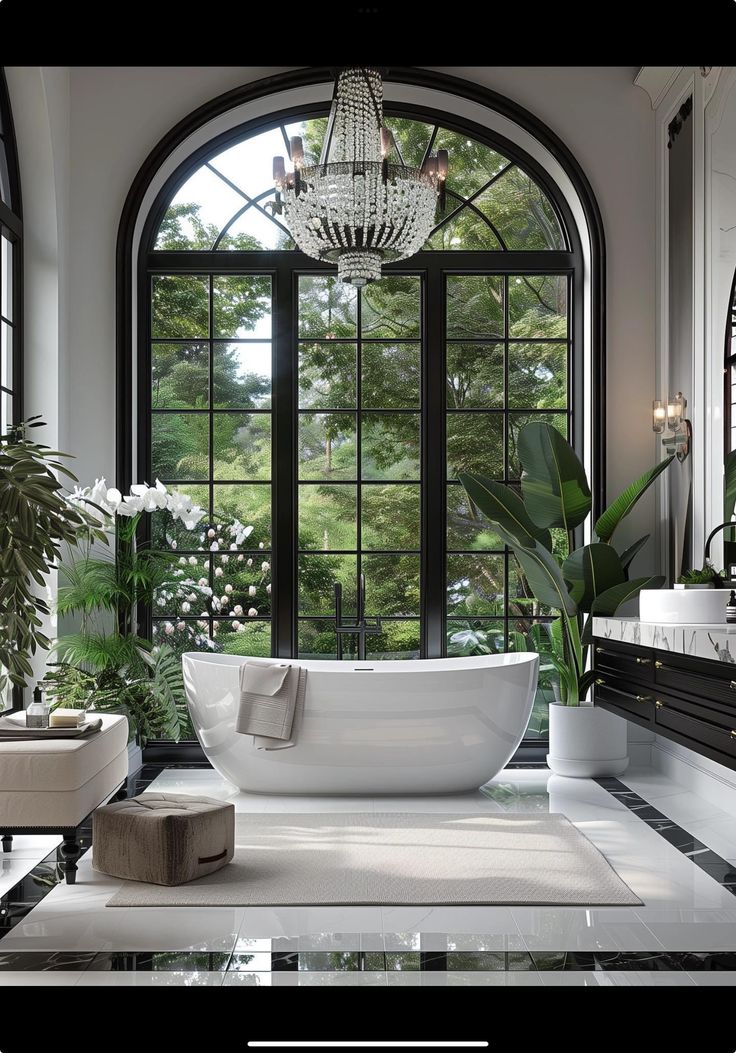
[[500, 505], [606, 605], [590, 571], [729, 491], [633, 550], [545, 577], [623, 504], [586, 682], [553, 482]]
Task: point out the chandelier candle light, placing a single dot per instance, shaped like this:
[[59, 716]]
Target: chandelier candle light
[[361, 205]]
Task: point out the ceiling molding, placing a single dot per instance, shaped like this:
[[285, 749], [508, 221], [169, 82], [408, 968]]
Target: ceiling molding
[[656, 81]]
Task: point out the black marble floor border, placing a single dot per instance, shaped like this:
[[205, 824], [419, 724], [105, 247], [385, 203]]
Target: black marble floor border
[[698, 853], [21, 899], [368, 961]]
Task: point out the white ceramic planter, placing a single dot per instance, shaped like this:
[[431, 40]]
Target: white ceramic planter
[[586, 742], [684, 606]]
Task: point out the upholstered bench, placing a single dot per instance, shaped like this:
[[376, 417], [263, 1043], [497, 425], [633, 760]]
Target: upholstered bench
[[50, 786], [163, 838]]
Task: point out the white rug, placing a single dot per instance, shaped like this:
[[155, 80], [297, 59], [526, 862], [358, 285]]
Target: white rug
[[398, 858]]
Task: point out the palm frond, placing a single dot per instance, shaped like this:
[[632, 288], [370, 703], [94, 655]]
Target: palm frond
[[98, 651], [90, 584]]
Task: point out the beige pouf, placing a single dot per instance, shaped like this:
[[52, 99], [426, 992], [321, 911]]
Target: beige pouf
[[163, 838]]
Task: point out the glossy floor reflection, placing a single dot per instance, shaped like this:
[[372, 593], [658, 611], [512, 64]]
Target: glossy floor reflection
[[684, 934]]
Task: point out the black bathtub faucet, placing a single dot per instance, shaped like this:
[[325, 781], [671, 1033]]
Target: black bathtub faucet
[[363, 626]]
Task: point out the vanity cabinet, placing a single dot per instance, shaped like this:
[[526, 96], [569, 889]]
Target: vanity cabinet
[[690, 700]]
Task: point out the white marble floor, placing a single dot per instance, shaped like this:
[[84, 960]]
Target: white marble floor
[[684, 909]]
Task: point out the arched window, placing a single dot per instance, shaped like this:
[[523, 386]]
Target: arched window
[[335, 421], [11, 231]]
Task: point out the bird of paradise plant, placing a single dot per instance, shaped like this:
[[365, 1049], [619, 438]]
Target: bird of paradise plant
[[581, 582]]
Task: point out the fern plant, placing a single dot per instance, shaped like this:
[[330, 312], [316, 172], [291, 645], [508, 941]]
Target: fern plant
[[105, 665]]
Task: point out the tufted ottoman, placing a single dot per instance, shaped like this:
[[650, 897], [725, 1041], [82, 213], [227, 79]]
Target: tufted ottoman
[[164, 838]]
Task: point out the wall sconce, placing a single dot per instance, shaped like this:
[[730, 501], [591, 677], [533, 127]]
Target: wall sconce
[[672, 416]]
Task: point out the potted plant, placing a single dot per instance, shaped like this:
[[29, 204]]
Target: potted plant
[[539, 528], [35, 519], [705, 578], [106, 665]]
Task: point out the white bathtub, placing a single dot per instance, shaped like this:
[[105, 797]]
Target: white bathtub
[[437, 726]]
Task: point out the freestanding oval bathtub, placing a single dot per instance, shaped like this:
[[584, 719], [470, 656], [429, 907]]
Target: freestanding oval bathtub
[[436, 726]]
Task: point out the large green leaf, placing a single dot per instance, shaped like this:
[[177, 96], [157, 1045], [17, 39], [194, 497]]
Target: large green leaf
[[609, 601], [590, 571], [623, 504], [729, 491], [545, 577], [628, 554], [606, 605], [500, 505], [556, 492]]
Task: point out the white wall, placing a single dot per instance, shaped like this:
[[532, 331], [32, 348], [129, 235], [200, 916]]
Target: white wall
[[41, 114], [117, 115]]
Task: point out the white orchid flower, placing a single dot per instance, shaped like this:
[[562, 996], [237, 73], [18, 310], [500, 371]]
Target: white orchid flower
[[252, 590], [252, 612], [130, 506]]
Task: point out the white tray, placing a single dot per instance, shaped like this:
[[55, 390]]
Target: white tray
[[20, 720]]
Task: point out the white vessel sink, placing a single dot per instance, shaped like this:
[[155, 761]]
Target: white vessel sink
[[683, 606]]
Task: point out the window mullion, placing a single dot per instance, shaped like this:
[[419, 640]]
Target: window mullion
[[434, 472], [283, 472]]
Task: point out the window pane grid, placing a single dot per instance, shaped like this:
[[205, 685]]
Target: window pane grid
[[351, 385], [197, 318], [352, 512], [492, 202], [506, 373]]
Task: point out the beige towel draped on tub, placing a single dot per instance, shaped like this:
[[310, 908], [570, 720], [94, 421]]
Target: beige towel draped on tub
[[271, 699]]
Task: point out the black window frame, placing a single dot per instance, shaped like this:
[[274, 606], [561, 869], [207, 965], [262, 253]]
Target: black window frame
[[11, 225], [284, 266]]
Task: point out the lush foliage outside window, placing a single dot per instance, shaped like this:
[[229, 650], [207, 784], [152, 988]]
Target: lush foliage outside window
[[361, 363]]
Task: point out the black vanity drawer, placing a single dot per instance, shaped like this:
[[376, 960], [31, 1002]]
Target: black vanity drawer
[[618, 695], [698, 724], [713, 682], [625, 660]]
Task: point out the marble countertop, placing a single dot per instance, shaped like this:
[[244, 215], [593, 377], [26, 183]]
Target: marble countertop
[[716, 641]]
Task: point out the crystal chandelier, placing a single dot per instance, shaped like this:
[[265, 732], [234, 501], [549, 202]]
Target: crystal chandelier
[[361, 205]]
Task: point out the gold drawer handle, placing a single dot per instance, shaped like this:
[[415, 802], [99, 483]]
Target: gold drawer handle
[[658, 664], [733, 685], [600, 681], [643, 698], [733, 734], [659, 704]]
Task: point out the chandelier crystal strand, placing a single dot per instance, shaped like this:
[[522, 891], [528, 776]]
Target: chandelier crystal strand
[[358, 207]]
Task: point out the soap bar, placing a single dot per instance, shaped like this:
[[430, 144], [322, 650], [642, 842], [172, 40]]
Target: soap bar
[[66, 718]]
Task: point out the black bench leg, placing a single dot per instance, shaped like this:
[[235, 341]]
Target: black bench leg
[[69, 851], [7, 842]]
